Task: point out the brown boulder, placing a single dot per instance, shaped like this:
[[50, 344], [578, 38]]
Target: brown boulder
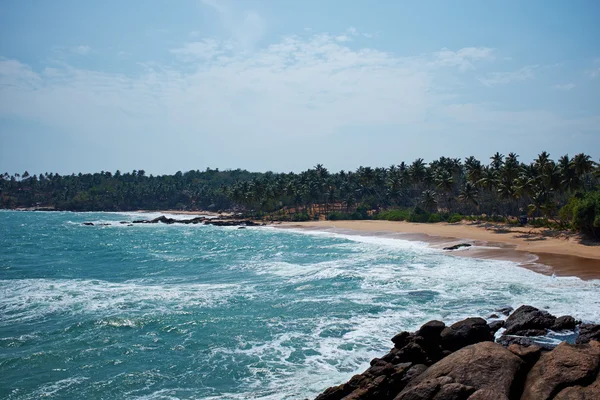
[[485, 365], [529, 354], [566, 365], [590, 392]]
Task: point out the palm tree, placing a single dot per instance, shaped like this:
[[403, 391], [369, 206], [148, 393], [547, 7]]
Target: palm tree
[[497, 162], [428, 200], [469, 194]]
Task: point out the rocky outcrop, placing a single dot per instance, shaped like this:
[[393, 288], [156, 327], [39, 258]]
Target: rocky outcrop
[[458, 246], [588, 332], [462, 361], [192, 221], [528, 321], [565, 366], [481, 366], [464, 333]]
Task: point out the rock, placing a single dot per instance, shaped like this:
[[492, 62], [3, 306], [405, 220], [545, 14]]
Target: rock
[[241, 227], [588, 332], [487, 394], [531, 332], [506, 340], [401, 339], [505, 310], [458, 246], [382, 380], [431, 330], [492, 316], [495, 326], [485, 365], [464, 333], [454, 391], [528, 317], [88, 224], [566, 365], [564, 323], [590, 392], [529, 354]]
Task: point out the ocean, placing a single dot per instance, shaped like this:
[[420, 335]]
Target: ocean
[[202, 312]]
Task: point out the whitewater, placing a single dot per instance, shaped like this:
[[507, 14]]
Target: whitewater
[[202, 312]]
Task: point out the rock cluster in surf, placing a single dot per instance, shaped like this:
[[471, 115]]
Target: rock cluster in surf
[[193, 221], [462, 361]]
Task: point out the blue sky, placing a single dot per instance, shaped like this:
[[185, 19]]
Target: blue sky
[[283, 85]]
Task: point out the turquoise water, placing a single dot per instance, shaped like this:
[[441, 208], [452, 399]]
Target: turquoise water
[[198, 312]]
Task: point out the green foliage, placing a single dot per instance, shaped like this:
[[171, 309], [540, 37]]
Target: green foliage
[[586, 213], [301, 217], [394, 215], [454, 218], [434, 217]]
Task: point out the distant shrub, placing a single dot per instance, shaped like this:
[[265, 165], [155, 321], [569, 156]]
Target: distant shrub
[[586, 213], [337, 216], [454, 218], [435, 217], [300, 217], [418, 215], [393, 215]]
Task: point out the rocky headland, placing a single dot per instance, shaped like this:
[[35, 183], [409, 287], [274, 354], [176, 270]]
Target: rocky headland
[[476, 360]]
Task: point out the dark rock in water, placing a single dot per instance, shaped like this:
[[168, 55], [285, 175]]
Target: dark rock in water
[[495, 326], [588, 332], [401, 339], [493, 316], [528, 317], [458, 246], [564, 323], [88, 224], [507, 340], [531, 332], [241, 227], [431, 330], [484, 365], [566, 365], [464, 333], [505, 310], [124, 222]]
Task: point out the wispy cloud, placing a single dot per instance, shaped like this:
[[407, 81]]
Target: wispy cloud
[[308, 87], [81, 49], [504, 78], [566, 86], [246, 27], [465, 57]]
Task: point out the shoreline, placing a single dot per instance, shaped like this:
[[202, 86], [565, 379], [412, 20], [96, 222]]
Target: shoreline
[[532, 248]]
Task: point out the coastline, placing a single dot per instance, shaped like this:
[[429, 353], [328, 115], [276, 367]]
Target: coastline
[[533, 248]]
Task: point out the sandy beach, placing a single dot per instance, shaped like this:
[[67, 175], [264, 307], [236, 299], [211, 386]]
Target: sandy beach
[[539, 249]]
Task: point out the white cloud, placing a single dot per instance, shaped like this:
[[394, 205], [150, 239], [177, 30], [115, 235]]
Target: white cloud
[[246, 27], [504, 78], [204, 49], [464, 57], [81, 49], [566, 86], [312, 89]]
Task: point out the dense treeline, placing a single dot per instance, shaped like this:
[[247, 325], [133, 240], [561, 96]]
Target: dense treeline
[[563, 191], [106, 191]]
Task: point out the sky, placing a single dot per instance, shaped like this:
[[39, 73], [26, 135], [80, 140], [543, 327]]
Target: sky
[[283, 85]]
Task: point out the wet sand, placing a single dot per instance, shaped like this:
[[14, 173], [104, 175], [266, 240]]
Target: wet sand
[[539, 249]]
